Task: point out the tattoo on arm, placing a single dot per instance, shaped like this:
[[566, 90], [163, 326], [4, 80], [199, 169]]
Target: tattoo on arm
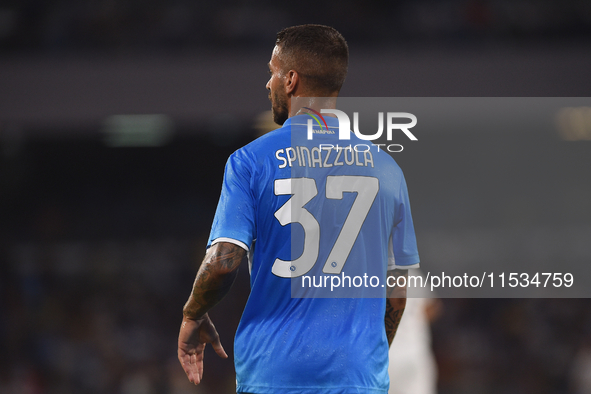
[[395, 304], [214, 279]]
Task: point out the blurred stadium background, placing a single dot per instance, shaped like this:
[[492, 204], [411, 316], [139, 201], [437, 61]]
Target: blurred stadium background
[[116, 119]]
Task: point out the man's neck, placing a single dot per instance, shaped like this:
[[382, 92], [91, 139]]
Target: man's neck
[[302, 105]]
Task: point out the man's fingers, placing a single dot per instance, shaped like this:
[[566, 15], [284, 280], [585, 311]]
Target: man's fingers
[[194, 373], [195, 378], [192, 364], [214, 338], [189, 370], [219, 349]]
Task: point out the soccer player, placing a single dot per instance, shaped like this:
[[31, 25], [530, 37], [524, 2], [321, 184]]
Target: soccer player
[[299, 208]]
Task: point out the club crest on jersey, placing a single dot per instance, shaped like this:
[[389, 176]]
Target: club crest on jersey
[[323, 126]]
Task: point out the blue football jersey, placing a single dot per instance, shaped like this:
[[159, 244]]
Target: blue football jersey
[[310, 211]]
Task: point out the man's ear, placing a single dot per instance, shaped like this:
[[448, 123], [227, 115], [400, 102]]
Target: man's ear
[[292, 80]]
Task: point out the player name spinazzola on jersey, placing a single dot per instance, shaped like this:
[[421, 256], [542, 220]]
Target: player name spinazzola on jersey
[[325, 155]]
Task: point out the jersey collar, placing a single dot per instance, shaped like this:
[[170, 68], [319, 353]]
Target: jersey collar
[[302, 120]]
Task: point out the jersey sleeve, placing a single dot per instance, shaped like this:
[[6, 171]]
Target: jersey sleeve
[[402, 248], [234, 219]]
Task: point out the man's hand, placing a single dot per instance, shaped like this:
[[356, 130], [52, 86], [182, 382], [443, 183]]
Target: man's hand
[[193, 336]]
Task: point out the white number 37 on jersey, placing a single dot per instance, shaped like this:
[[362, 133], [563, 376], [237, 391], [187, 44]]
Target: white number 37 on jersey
[[303, 190]]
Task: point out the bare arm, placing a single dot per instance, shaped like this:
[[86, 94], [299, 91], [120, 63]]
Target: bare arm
[[214, 279], [395, 304]]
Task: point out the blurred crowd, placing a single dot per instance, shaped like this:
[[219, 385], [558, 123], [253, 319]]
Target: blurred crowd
[[514, 346], [98, 251], [102, 317], [63, 24]]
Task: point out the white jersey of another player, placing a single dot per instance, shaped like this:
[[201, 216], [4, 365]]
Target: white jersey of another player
[[412, 368]]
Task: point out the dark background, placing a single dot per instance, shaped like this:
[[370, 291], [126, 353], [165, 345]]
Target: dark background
[[99, 244]]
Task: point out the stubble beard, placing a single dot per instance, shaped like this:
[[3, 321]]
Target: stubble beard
[[279, 109]]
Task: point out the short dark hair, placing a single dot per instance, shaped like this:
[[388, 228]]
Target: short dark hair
[[318, 53]]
